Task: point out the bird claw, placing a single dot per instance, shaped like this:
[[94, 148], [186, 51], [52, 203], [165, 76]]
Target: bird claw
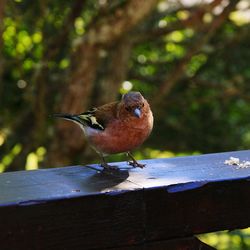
[[136, 164], [107, 167]]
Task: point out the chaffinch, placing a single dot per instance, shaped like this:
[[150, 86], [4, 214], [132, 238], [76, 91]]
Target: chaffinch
[[116, 127]]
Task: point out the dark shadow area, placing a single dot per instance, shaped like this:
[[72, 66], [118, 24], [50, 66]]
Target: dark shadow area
[[106, 179]]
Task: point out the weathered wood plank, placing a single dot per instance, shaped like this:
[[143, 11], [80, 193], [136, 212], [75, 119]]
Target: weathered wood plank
[[211, 207], [78, 208], [59, 183], [93, 222], [185, 171]]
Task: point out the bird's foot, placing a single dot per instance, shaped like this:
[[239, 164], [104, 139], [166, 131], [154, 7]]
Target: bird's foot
[[107, 167], [136, 164]]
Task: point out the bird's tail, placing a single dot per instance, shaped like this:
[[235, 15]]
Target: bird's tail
[[69, 117], [84, 119]]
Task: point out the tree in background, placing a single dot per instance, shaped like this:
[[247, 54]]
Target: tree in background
[[189, 58]]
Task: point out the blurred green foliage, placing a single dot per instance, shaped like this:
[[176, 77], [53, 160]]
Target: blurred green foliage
[[210, 101], [234, 240]]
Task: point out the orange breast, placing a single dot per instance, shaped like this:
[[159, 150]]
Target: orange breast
[[122, 136]]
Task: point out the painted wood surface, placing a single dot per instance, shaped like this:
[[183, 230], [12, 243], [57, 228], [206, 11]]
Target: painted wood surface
[[80, 208]]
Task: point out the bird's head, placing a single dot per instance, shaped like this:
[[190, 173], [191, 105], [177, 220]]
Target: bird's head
[[134, 104]]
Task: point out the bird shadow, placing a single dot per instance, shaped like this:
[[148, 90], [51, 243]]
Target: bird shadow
[[103, 180]]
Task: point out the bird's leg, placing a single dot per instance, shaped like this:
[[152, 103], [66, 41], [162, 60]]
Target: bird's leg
[[134, 162], [105, 165]]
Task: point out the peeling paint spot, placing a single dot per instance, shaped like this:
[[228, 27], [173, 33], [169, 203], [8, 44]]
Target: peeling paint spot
[[185, 186]]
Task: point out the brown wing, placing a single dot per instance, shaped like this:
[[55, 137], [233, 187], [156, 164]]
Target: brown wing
[[98, 118], [106, 113]]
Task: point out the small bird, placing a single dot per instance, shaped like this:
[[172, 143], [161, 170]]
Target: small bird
[[116, 127]]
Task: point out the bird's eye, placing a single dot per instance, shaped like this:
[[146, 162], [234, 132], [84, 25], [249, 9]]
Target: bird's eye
[[128, 109], [143, 105]]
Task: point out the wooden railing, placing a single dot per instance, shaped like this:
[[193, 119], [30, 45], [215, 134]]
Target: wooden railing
[[162, 206]]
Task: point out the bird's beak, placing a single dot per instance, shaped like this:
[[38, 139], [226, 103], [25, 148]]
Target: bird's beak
[[137, 112]]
